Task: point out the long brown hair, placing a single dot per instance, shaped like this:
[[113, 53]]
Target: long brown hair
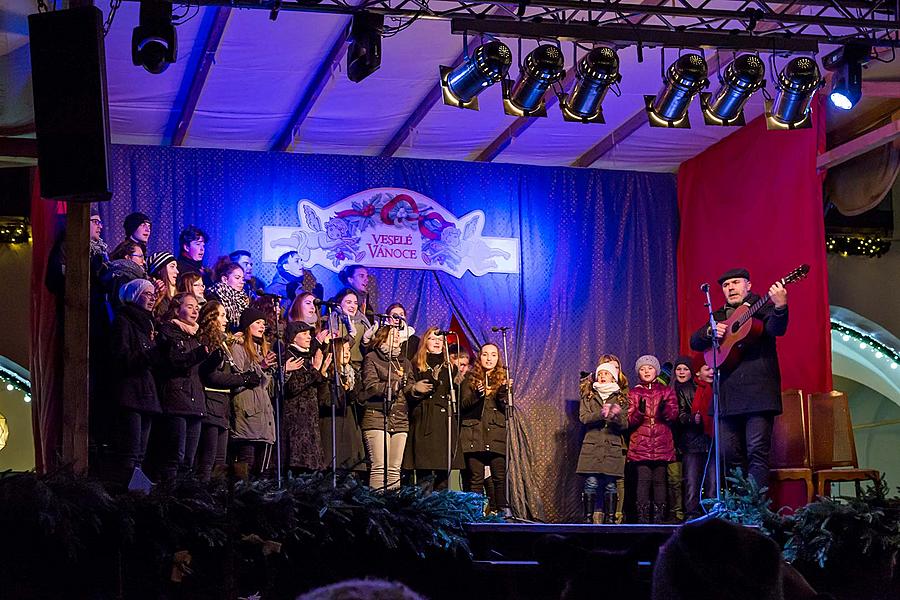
[[249, 345], [420, 360], [210, 334], [497, 376], [294, 312], [186, 282]]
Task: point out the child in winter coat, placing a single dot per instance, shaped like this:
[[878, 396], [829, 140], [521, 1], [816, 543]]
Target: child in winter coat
[[653, 407], [690, 439], [604, 410]]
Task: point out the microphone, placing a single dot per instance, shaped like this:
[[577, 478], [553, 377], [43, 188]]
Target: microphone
[[318, 302], [442, 333], [704, 287], [499, 328]]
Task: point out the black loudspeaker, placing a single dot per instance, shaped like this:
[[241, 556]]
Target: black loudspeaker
[[68, 72]]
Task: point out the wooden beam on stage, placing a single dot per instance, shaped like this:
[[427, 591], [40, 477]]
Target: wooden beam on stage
[[18, 147], [313, 90], [869, 141], [194, 80], [520, 125], [881, 89]]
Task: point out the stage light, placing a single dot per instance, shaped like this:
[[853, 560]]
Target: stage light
[[684, 78], [153, 41], [543, 67], [364, 53], [595, 73], [846, 80], [797, 83], [488, 64], [743, 76]]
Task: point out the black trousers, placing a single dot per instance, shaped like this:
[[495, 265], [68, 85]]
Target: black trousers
[[181, 436], [473, 476], [253, 454], [651, 476], [432, 479], [132, 433], [695, 463], [212, 449], [746, 443]]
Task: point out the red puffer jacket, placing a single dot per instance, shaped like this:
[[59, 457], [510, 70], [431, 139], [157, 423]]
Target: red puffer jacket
[[652, 440]]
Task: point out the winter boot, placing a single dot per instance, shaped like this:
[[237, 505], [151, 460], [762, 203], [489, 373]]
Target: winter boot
[[598, 518], [643, 513], [659, 513], [674, 480], [587, 502], [610, 502]]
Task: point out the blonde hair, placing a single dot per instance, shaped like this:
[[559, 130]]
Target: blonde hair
[[420, 360]]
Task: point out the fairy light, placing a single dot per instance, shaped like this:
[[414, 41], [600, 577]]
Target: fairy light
[[871, 246], [879, 350], [14, 230], [15, 382]]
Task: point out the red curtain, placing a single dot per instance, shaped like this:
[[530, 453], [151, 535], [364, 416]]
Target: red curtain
[[754, 200], [46, 333]]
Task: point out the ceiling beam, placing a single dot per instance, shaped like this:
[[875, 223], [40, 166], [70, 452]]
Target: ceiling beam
[[313, 90], [868, 141], [195, 79], [520, 125], [881, 89]]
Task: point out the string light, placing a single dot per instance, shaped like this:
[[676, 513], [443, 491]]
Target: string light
[[879, 350], [14, 381], [872, 246], [14, 230]]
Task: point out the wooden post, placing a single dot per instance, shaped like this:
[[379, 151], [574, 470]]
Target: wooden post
[[76, 336]]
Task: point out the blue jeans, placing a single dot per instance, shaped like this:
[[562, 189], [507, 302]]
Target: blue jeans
[[746, 443]]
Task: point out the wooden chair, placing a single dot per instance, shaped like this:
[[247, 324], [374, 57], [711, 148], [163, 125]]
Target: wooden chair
[[789, 459], [832, 447]]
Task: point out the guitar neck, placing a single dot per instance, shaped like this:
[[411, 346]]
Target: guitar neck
[[754, 308]]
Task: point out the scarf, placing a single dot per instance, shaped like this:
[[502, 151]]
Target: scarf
[[348, 374], [605, 390], [99, 248], [186, 327], [234, 301]]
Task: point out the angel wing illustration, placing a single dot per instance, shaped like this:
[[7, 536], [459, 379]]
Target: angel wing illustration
[[312, 219], [469, 230]]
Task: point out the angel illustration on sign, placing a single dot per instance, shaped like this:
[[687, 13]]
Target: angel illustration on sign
[[445, 244], [336, 240]]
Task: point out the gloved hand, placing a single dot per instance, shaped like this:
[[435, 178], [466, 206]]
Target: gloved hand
[[642, 405], [251, 379], [661, 408]]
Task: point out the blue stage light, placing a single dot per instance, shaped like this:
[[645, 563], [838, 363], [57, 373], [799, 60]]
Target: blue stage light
[[488, 64], [743, 76], [797, 84], [846, 63], [596, 72], [543, 67], [684, 78]]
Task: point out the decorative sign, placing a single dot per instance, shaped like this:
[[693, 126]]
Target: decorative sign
[[395, 228]]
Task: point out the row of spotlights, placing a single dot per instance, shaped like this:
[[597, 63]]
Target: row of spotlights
[[598, 70]]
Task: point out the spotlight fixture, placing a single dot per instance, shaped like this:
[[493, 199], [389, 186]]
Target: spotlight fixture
[[364, 53], [797, 83], [153, 41], [595, 73], [543, 67], [846, 80], [684, 78], [488, 64], [743, 76]]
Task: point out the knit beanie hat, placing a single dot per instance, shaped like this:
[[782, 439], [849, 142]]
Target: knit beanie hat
[[683, 360], [250, 316], [131, 291], [609, 367], [158, 260], [133, 221], [647, 359], [295, 327]]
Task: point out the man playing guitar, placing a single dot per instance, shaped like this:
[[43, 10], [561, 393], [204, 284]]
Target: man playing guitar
[[749, 388]]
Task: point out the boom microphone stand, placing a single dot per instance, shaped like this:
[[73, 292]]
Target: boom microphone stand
[[388, 402], [338, 390], [451, 408], [510, 411], [717, 507], [279, 386]]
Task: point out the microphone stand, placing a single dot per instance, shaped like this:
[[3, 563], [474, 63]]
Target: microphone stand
[[510, 410], [338, 390], [717, 507], [451, 409], [279, 388], [388, 403]]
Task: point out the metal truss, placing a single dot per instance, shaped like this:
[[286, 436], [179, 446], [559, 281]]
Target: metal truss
[[788, 25]]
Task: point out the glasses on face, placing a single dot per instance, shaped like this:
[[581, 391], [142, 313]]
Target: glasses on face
[[96, 222], [149, 295], [140, 256]]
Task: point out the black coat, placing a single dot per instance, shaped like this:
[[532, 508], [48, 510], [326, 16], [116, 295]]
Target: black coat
[[754, 385], [483, 419], [426, 446], [302, 442], [689, 436], [134, 352], [348, 436], [178, 379], [220, 378], [375, 376]]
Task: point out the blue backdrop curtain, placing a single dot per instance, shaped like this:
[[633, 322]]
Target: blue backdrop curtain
[[596, 275]]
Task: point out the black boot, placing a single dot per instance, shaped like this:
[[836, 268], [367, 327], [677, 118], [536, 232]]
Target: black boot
[[643, 513], [659, 513], [587, 501], [610, 501]]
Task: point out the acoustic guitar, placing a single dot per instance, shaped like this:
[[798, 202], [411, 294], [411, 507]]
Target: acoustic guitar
[[741, 325]]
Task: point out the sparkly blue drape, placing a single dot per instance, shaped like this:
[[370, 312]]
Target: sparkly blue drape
[[597, 264]]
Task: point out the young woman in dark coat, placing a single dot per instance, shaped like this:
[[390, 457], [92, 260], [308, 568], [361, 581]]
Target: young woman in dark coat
[[302, 443], [134, 352], [347, 400], [690, 439], [483, 434], [427, 445], [384, 362], [220, 379], [181, 391]]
